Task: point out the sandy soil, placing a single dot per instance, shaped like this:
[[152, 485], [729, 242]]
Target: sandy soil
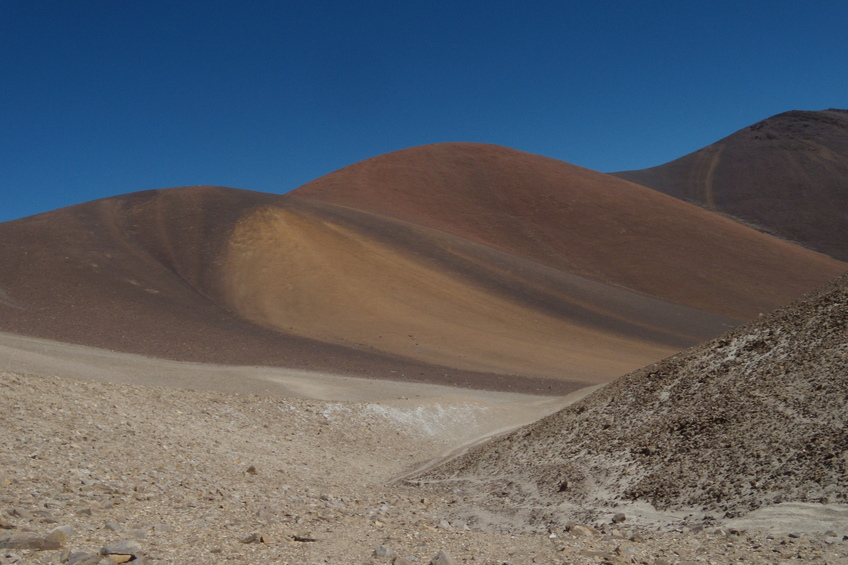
[[191, 462]]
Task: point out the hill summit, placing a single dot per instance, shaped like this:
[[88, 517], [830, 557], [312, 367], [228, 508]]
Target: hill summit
[[786, 175]]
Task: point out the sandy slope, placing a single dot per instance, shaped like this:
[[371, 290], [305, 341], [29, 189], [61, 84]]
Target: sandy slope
[[580, 221], [458, 264], [363, 281]]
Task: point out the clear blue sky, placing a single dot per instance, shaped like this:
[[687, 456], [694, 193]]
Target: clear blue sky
[[99, 98]]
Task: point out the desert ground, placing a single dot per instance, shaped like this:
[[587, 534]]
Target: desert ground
[[182, 462], [452, 353]]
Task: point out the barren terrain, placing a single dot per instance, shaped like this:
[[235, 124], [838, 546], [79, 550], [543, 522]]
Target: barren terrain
[[416, 359], [308, 471], [744, 423]]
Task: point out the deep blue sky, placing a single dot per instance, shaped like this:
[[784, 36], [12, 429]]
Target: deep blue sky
[[104, 98]]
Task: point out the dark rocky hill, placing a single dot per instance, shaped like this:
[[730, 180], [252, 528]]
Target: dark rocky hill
[[753, 418], [786, 175]]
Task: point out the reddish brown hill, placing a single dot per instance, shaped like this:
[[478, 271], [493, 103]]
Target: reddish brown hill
[[787, 175], [140, 274], [458, 263], [230, 276], [580, 221], [342, 276]]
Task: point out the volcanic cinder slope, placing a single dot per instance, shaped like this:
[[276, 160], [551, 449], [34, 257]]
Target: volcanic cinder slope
[[787, 175], [753, 418], [458, 263]]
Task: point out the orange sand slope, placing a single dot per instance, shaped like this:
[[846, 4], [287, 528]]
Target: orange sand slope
[[456, 263], [582, 222]]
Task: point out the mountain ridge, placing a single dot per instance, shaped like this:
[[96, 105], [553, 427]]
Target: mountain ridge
[[495, 267], [787, 175]]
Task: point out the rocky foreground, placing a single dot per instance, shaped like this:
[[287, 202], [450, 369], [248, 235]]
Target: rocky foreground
[[106, 473], [752, 420]]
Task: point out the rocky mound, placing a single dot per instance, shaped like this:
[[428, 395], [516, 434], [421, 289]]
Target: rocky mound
[[753, 418], [787, 175]]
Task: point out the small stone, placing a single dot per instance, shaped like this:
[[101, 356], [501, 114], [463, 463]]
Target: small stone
[[5, 524], [442, 558], [579, 530], [267, 513], [84, 558], [60, 535], [445, 525], [137, 533], [255, 538], [627, 552], [114, 526], [22, 514], [125, 547], [251, 470], [382, 551], [619, 518], [252, 538], [52, 540]]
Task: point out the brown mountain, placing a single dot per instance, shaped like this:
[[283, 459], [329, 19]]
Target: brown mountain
[[787, 175], [753, 418], [497, 269], [579, 221]]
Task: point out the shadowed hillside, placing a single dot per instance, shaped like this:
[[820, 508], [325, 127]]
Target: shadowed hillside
[[787, 175], [752, 418]]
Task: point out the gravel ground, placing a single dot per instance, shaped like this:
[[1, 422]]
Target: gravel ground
[[188, 476]]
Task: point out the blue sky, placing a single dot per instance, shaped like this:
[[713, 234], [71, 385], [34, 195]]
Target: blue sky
[[104, 98]]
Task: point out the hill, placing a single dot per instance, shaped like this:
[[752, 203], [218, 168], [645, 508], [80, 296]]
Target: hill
[[787, 175], [463, 264], [753, 418], [579, 221]]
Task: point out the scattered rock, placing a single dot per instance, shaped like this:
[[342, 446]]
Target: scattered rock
[[22, 513], [83, 558], [52, 540], [442, 558], [254, 538], [267, 513], [619, 518], [579, 530], [382, 551], [126, 547]]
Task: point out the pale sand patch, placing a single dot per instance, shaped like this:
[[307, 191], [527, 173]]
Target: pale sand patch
[[45, 357], [466, 416]]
